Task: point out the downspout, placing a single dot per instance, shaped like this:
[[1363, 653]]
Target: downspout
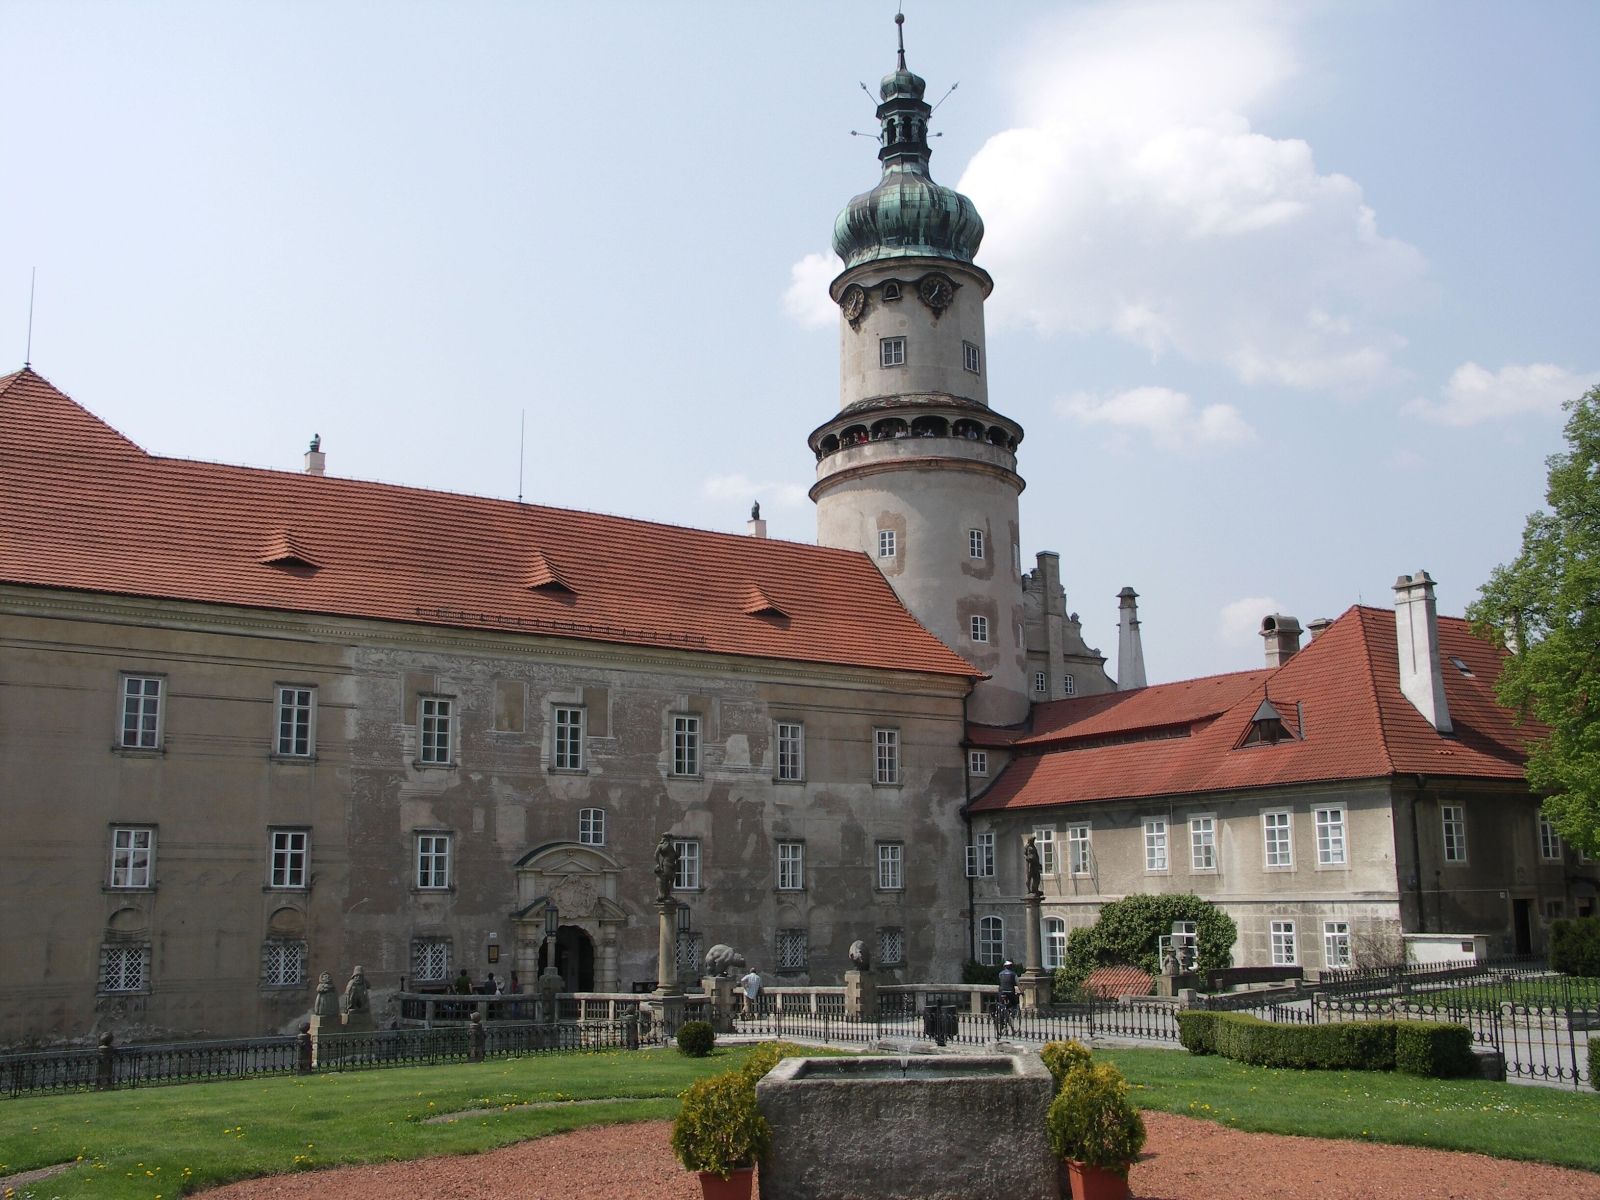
[[966, 816], [1416, 856]]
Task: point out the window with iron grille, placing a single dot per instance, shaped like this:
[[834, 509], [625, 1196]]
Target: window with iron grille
[[980, 857], [791, 949], [1080, 850], [887, 742], [688, 876], [791, 866], [1203, 843], [991, 941], [1331, 850], [885, 543], [568, 755], [685, 745], [433, 860], [791, 751], [125, 967], [430, 960], [1275, 834], [1155, 843], [975, 547], [591, 827], [1549, 840], [296, 706], [1055, 943], [891, 866], [1284, 953], [1336, 943], [1453, 817], [434, 714], [287, 859], [283, 962], [891, 946], [133, 852], [977, 762], [1044, 841], [892, 352], [690, 953], [141, 712]]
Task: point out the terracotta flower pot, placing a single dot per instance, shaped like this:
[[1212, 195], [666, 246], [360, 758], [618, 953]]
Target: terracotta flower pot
[[1097, 1183], [737, 1186]]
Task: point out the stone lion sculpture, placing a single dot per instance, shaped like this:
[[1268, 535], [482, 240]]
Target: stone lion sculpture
[[858, 955], [720, 960]]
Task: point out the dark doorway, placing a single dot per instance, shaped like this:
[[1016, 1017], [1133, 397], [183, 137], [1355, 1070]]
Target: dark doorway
[[574, 958], [1522, 925]]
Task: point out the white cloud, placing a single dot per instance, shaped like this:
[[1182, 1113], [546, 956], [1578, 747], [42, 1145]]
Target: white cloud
[[806, 300], [745, 489], [1135, 198], [1171, 419], [1475, 394], [1239, 622]]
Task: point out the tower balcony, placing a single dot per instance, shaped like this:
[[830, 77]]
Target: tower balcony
[[932, 431]]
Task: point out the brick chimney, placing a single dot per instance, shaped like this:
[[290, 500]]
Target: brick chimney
[[1130, 648], [316, 460], [1416, 626], [1282, 636]]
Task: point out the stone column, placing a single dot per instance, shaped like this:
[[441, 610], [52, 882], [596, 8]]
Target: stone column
[[667, 949], [1034, 986], [860, 996]]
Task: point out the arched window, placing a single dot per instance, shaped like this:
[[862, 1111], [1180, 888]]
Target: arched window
[[853, 436], [997, 436], [991, 941], [830, 444], [970, 430], [1055, 943], [891, 291], [889, 427], [930, 427]]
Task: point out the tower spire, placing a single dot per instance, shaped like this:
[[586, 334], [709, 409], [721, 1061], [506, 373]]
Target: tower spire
[[900, 36]]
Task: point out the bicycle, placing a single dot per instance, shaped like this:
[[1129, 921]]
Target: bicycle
[[1005, 1015]]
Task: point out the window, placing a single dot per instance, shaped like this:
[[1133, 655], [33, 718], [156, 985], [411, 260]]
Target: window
[[1331, 837], [892, 352], [685, 745], [283, 962], [125, 967], [991, 941], [433, 743], [980, 629], [791, 866], [1185, 939], [791, 949], [1069, 685], [1055, 943], [891, 947], [791, 751], [591, 827], [969, 356], [1336, 944], [430, 960], [1080, 853], [974, 543], [1203, 843], [1454, 820], [295, 708], [885, 543], [1155, 843], [688, 877], [141, 713], [1283, 951], [977, 762], [1041, 682], [690, 952], [887, 769], [1275, 835], [1554, 910], [567, 752], [891, 291], [1549, 840], [980, 857], [433, 860], [133, 852], [1044, 841], [891, 867], [287, 865]]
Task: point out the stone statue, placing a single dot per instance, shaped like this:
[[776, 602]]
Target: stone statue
[[356, 999], [858, 955], [327, 1003], [1172, 964], [1033, 870], [666, 866], [720, 959]]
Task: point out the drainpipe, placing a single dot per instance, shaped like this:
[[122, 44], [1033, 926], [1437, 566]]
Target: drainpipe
[[966, 816], [1416, 856]]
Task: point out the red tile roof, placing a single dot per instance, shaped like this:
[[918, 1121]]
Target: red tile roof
[[1183, 738], [1111, 982], [82, 507]]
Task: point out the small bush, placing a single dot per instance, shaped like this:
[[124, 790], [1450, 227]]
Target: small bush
[[1433, 1048], [1575, 946], [768, 1055], [1594, 1063], [719, 1128], [973, 971], [1060, 1058], [1092, 1120], [696, 1038], [1197, 1030]]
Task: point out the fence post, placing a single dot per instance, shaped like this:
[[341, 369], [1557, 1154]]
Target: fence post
[[302, 1058], [105, 1074], [630, 1030], [476, 1036]]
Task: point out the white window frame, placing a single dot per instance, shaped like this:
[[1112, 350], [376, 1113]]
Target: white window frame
[[1285, 950], [991, 940], [1549, 841], [283, 962], [891, 867], [891, 946], [568, 728], [433, 860], [296, 721], [978, 763], [1157, 846], [686, 745], [975, 544], [687, 878], [886, 543], [1554, 909], [980, 857], [979, 628], [790, 738], [1203, 842], [430, 952], [133, 857], [1453, 832], [1336, 948], [1333, 835], [1044, 841], [971, 359], [436, 730], [1054, 937], [791, 950], [591, 827], [891, 352], [1080, 851], [886, 757], [289, 859], [1277, 839], [125, 964], [142, 712], [1041, 682], [1069, 685], [791, 866]]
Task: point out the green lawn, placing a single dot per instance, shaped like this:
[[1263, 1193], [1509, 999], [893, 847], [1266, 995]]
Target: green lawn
[[1561, 992]]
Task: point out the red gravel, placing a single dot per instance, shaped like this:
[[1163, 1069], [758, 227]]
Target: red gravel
[[1185, 1159]]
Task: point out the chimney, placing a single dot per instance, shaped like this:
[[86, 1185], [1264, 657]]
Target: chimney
[[1416, 627], [316, 460], [1282, 636], [1319, 627], [1130, 651], [756, 527]]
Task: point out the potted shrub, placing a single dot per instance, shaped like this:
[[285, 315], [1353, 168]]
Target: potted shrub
[[721, 1133], [1095, 1127]]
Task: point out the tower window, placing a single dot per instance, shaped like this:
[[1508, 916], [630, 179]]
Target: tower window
[[892, 352], [980, 629], [885, 543], [975, 543], [891, 291], [969, 354]]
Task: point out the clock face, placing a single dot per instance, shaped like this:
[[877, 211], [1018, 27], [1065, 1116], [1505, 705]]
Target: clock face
[[853, 302], [936, 292]]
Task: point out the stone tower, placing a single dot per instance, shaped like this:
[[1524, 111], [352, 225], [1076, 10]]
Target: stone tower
[[916, 469]]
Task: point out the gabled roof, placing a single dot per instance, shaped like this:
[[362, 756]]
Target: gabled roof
[[1340, 696], [82, 507]]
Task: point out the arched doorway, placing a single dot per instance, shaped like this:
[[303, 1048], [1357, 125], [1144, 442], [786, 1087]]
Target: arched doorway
[[574, 958]]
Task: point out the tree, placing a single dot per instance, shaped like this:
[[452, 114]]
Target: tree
[[1128, 932], [1545, 606]]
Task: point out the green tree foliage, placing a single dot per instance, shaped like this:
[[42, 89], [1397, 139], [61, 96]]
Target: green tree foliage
[[1546, 606], [1129, 933]]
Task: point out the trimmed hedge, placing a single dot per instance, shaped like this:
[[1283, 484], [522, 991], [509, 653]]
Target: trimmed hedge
[[1416, 1047], [696, 1038]]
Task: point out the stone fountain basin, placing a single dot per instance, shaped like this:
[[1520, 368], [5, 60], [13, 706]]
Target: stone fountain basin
[[923, 1127]]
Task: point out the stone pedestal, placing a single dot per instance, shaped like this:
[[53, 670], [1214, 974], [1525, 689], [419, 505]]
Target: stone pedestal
[[359, 1022], [667, 949], [860, 996], [666, 1012], [720, 990], [315, 1028], [1034, 986]]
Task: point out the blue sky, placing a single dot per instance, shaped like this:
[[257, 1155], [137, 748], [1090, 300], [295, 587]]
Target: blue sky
[[1287, 296]]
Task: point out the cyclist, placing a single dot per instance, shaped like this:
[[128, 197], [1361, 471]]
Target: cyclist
[[1005, 1005]]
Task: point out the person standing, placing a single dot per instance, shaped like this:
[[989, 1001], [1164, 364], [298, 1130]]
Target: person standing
[[751, 983]]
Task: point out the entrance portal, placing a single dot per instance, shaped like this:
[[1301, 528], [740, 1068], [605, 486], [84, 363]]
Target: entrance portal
[[574, 958]]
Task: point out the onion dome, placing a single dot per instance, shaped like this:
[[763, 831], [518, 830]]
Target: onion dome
[[907, 214]]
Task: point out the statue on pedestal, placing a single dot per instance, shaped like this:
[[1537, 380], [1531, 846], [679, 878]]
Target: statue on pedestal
[[1032, 868], [327, 1002], [859, 957], [356, 999], [666, 867]]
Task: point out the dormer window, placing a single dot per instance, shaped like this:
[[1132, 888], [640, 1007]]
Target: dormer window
[[1267, 727], [891, 291]]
